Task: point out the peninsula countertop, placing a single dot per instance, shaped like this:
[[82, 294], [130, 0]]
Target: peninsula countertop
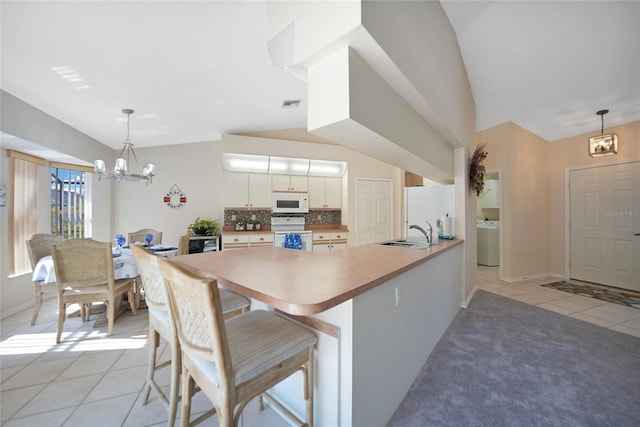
[[305, 283]]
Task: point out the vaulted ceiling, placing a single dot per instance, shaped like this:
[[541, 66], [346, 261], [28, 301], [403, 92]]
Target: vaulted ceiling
[[195, 70]]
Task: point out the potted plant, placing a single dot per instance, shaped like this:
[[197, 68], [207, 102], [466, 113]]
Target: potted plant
[[206, 227]]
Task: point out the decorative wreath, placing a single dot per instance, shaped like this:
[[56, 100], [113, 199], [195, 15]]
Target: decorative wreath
[[477, 169], [175, 198]]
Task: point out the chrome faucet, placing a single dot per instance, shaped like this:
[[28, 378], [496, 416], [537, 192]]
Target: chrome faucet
[[428, 234]]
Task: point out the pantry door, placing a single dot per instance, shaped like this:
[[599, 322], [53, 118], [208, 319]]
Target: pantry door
[[605, 225], [374, 211]]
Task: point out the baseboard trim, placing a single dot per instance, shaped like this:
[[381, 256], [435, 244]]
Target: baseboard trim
[[466, 302], [25, 306], [528, 277]]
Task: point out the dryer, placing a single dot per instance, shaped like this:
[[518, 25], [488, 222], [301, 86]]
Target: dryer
[[488, 243]]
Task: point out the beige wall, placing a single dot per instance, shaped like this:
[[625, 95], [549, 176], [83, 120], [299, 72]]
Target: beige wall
[[523, 159], [30, 124], [571, 153], [534, 191]]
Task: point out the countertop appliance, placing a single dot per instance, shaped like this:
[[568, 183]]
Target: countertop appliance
[[289, 233], [289, 203]]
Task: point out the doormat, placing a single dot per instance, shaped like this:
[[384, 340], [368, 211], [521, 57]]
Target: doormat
[[628, 298]]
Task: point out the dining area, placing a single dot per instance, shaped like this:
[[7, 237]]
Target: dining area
[[189, 322]]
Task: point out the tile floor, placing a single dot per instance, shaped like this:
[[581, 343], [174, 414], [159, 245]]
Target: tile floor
[[609, 315], [90, 379]]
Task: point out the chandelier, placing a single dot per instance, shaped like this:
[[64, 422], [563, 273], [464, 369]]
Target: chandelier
[[604, 144], [120, 170]]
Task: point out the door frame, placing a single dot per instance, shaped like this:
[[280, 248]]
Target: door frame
[[567, 207], [389, 181]]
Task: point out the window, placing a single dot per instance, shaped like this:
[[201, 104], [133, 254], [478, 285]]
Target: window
[[23, 200], [69, 200]]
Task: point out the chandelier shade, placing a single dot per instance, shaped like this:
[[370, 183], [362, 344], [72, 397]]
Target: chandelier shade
[[120, 170]]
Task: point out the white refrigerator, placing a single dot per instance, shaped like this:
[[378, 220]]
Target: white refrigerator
[[427, 203]]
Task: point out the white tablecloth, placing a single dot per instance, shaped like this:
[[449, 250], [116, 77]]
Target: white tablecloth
[[124, 266]]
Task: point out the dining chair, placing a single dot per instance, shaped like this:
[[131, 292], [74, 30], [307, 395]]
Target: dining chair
[[139, 236], [183, 244], [84, 274], [160, 326], [38, 247], [236, 360]]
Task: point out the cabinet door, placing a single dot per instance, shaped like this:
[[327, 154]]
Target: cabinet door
[[333, 193], [316, 192], [259, 190], [236, 189], [280, 183], [299, 183], [322, 247], [289, 183]]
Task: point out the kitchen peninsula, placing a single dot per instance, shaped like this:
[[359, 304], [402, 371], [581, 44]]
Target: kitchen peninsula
[[378, 311]]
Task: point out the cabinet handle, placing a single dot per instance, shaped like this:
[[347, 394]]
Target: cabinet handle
[[338, 236], [235, 240], [262, 238]]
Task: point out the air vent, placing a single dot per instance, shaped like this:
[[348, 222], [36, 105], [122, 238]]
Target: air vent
[[291, 103]]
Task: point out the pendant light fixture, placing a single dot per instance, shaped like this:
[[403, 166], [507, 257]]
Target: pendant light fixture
[[121, 169], [603, 145]]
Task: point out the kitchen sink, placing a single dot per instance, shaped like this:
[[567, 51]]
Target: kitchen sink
[[415, 244]]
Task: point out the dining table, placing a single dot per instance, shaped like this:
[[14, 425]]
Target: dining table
[[124, 267]]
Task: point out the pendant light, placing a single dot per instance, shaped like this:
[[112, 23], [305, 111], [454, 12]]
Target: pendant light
[[603, 145], [121, 169]]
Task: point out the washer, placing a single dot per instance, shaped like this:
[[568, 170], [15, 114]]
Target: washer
[[488, 243]]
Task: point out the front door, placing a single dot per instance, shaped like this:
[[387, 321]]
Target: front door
[[374, 211], [605, 225]]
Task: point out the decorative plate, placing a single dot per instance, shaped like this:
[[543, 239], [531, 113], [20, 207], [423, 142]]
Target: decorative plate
[[175, 198]]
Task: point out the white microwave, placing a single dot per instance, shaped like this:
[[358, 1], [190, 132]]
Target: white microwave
[[290, 203]]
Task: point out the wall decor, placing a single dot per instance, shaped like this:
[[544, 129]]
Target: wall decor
[[477, 169], [175, 198], [3, 195]]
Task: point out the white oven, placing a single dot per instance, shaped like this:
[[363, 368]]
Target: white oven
[[288, 203], [289, 233]]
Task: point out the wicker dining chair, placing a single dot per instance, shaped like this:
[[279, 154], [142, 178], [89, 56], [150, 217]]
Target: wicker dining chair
[[139, 236], [160, 326], [236, 360], [38, 247], [84, 274], [183, 244]]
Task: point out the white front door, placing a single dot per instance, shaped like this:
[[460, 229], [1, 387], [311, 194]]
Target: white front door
[[605, 225], [374, 211]]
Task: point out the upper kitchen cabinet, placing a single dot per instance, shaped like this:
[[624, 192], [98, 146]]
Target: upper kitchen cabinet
[[289, 183], [490, 197], [247, 190], [325, 192]]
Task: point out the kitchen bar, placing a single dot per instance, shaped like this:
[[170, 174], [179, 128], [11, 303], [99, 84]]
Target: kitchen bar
[[384, 309]]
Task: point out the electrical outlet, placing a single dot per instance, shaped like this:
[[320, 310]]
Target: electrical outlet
[[398, 296], [233, 217], [253, 217]]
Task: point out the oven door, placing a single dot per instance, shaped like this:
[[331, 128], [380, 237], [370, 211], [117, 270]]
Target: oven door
[[293, 240]]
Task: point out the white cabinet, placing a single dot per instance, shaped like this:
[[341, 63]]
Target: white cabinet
[[329, 242], [248, 240], [247, 190], [490, 197], [325, 192], [289, 183]]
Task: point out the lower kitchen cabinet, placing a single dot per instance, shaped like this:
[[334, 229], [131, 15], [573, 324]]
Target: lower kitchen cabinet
[[243, 241], [329, 242]]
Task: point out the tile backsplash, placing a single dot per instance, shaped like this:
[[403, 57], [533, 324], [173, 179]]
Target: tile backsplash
[[263, 216]]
